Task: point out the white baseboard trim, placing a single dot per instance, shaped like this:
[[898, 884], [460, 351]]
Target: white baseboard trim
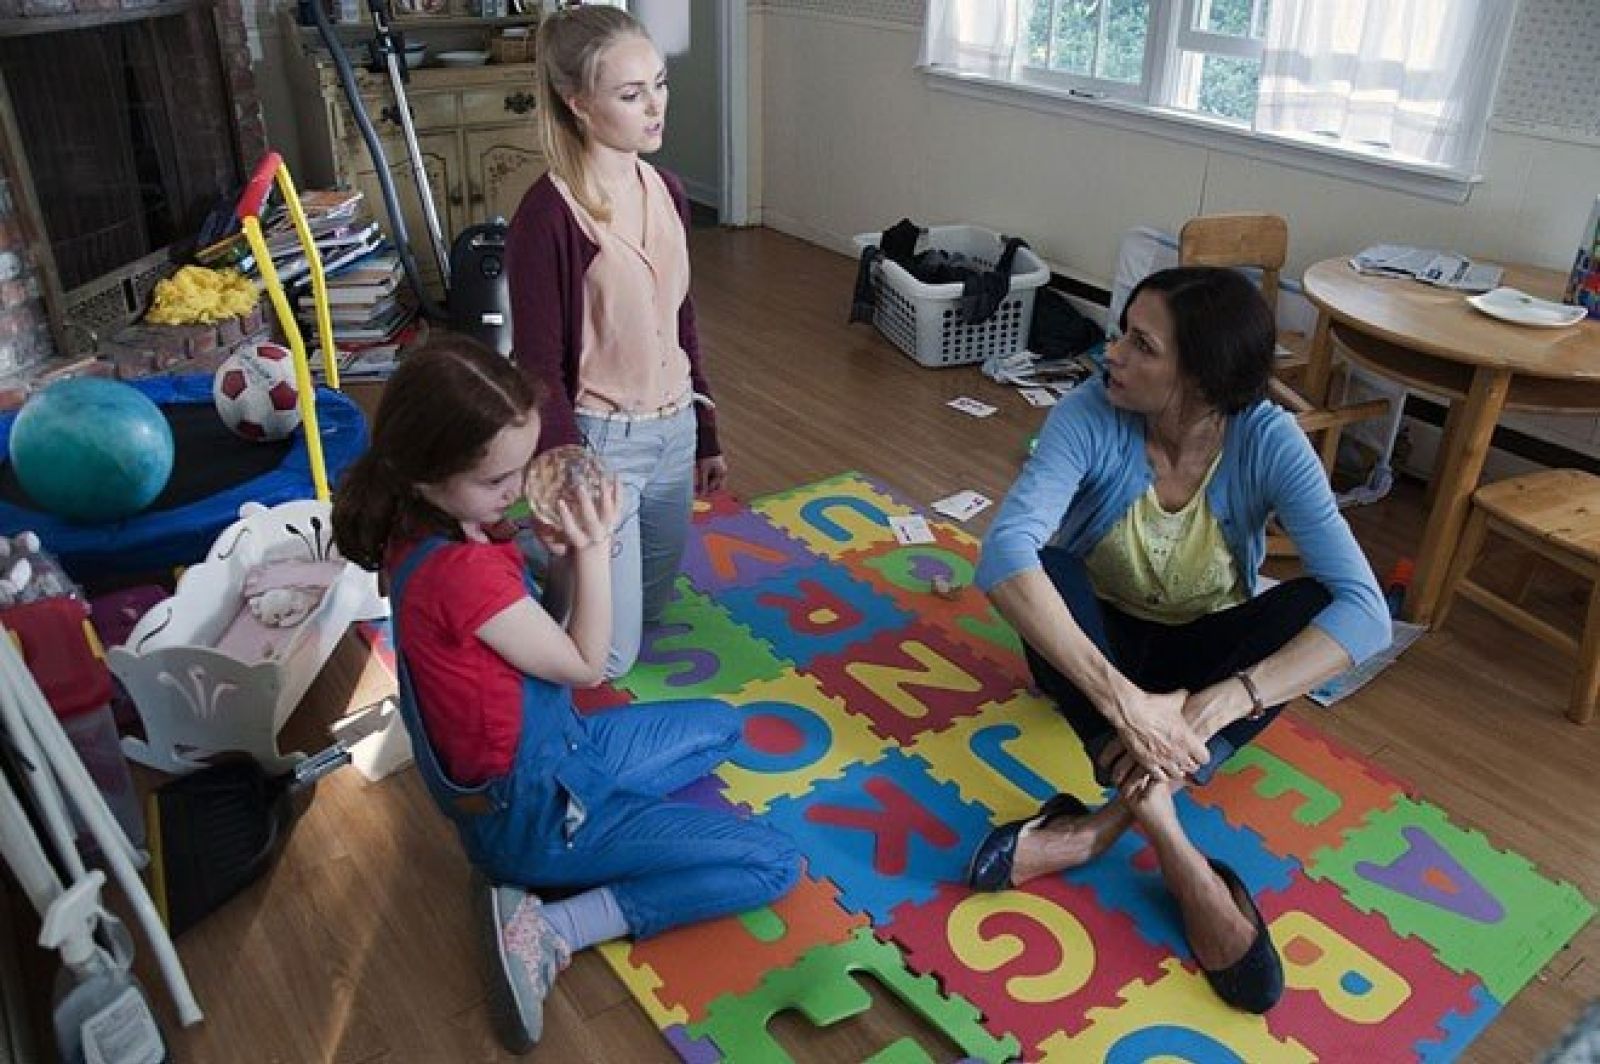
[[1424, 436], [811, 234]]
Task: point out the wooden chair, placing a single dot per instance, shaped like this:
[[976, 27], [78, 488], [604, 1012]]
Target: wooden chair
[[1555, 514], [1261, 241]]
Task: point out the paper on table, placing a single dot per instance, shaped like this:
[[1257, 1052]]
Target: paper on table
[[1443, 269]]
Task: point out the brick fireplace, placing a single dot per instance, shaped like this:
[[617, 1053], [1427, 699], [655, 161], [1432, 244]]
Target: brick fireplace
[[31, 279], [25, 338]]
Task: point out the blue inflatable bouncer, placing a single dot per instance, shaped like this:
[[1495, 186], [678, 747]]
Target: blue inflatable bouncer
[[214, 472]]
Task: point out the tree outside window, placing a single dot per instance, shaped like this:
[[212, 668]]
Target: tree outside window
[[1211, 64], [1399, 90]]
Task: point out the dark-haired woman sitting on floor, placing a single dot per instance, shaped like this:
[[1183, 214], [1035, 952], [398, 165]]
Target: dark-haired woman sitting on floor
[[1152, 488]]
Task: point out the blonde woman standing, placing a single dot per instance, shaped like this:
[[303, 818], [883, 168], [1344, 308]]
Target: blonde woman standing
[[599, 272]]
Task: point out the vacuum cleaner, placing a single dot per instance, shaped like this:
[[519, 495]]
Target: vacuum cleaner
[[477, 293]]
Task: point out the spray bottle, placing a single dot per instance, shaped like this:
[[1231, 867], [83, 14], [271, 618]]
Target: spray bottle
[[1396, 584], [101, 1015]]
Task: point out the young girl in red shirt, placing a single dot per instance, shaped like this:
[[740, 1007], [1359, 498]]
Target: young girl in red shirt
[[541, 797]]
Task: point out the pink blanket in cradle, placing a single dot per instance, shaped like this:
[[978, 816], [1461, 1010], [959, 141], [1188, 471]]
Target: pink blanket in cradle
[[247, 639]]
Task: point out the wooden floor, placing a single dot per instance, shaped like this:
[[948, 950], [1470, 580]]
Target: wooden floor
[[360, 947]]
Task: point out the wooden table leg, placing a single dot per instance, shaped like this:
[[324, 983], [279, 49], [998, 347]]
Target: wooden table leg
[[1586, 684], [1319, 363], [1458, 473], [1447, 439]]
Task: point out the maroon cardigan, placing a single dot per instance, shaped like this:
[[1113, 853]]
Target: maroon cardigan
[[547, 255]]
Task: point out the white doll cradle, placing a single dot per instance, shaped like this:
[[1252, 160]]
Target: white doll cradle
[[195, 700]]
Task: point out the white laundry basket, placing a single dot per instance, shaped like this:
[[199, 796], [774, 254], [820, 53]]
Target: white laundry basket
[[924, 320]]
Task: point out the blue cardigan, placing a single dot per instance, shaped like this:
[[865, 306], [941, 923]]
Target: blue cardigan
[[1091, 466]]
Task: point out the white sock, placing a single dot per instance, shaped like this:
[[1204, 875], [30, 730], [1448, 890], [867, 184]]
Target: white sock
[[588, 918]]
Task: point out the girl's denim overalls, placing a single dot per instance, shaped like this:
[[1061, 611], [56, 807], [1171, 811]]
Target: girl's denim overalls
[[582, 805]]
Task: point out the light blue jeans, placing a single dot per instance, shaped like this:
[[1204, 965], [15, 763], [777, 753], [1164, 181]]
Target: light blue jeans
[[654, 464]]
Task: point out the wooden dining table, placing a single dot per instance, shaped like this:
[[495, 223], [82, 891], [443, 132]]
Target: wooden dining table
[[1431, 339]]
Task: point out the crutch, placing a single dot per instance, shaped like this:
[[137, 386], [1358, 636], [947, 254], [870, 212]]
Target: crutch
[[51, 769]]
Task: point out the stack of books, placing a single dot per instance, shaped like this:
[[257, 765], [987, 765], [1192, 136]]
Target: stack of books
[[370, 313], [339, 227], [374, 362]]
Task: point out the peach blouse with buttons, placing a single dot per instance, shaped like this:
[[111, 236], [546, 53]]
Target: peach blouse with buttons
[[577, 290], [632, 362]]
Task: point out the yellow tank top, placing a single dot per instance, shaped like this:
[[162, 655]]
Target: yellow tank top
[[1167, 567]]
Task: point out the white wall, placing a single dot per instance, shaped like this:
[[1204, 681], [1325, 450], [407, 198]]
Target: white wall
[[755, 95], [694, 118], [854, 139]]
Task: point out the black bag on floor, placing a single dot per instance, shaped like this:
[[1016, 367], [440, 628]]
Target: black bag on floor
[[1059, 330]]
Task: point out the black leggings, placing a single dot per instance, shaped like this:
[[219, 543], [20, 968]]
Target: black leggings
[[1168, 657]]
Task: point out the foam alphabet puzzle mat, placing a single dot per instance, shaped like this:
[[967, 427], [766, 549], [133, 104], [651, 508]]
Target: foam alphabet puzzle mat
[[888, 728]]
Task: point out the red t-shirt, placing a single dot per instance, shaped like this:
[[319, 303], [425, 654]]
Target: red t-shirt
[[470, 698]]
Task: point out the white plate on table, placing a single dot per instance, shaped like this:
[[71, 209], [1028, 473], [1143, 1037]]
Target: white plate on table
[[1519, 308], [462, 59]]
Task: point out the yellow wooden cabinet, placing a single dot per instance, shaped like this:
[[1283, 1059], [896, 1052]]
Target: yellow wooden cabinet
[[475, 128]]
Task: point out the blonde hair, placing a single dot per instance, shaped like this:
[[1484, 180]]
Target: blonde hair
[[569, 45]]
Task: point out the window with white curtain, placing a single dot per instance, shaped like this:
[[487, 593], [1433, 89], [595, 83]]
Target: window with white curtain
[[1410, 81], [1111, 46]]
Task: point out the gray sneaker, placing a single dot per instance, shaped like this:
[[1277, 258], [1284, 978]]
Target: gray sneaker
[[524, 957]]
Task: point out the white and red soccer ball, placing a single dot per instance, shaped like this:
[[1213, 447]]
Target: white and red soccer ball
[[255, 392]]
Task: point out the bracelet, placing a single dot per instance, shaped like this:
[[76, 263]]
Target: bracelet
[[1258, 708]]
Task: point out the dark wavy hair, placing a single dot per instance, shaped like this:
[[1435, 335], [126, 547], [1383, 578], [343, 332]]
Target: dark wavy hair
[[439, 412], [1224, 330]]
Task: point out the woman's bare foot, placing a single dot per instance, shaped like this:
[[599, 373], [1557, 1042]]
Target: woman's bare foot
[[1218, 930], [1068, 841], [1216, 923]]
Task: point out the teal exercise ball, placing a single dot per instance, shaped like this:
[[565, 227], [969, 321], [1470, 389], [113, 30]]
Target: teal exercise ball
[[91, 450]]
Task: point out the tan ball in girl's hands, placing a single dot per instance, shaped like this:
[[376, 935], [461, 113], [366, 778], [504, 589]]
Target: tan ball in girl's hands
[[569, 471]]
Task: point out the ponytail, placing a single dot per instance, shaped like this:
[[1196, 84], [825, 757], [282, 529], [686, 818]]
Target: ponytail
[[366, 509]]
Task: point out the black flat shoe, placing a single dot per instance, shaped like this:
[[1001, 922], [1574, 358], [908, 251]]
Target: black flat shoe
[[1254, 982], [990, 868]]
